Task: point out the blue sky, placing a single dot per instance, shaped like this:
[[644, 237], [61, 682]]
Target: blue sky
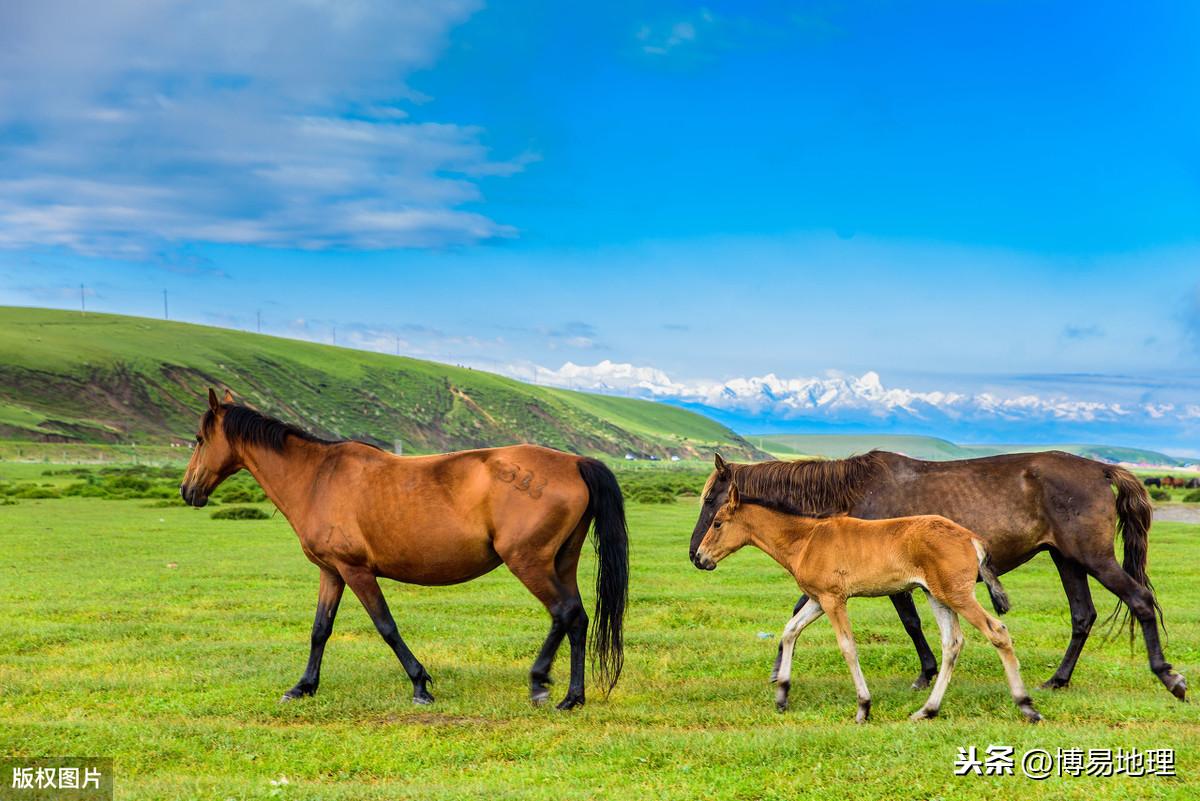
[[993, 207]]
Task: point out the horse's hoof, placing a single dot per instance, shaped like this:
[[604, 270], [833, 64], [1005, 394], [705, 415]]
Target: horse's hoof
[[422, 697], [1055, 683], [539, 697], [923, 681], [1032, 715], [570, 702], [781, 706], [1179, 686], [297, 692], [864, 713]]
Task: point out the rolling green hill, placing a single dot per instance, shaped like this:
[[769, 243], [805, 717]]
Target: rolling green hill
[[68, 377], [837, 446]]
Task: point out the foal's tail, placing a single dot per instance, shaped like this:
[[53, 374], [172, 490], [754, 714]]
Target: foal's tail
[[606, 507], [988, 576], [1134, 513]]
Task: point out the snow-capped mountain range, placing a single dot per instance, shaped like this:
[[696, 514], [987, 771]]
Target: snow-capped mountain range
[[769, 402]]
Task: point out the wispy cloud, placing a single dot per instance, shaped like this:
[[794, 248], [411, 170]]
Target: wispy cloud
[[662, 38], [573, 334], [125, 126], [1079, 332]]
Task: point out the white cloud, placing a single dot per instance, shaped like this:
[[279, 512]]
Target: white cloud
[[124, 125], [661, 39]]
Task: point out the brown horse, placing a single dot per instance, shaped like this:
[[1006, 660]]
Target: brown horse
[[1020, 504], [362, 514], [838, 558]]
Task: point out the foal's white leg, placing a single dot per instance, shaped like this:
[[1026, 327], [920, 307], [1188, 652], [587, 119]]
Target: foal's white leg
[[845, 637], [807, 614], [952, 642]]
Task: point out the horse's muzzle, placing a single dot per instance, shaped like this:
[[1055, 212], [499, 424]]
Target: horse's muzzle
[[703, 561], [192, 496]]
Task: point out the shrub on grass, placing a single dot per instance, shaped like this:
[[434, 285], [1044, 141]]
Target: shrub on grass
[[1192, 497], [240, 513], [85, 489], [652, 495], [236, 494], [130, 483], [1159, 494], [37, 492]]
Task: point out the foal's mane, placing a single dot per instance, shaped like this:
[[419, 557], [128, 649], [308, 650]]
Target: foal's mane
[[809, 488], [252, 427]]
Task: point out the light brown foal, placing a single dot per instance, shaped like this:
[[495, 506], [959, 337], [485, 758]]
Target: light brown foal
[[362, 513], [837, 558]]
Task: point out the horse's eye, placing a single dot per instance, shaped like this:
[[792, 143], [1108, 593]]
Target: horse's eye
[[199, 440], [717, 524]]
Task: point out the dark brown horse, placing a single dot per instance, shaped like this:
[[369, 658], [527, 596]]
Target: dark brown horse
[[361, 514], [1020, 504]]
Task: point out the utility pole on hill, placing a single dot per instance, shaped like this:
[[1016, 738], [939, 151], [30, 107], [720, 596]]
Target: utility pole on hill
[[82, 302], [258, 318], [165, 315]]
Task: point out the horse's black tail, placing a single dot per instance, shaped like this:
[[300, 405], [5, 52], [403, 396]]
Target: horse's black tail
[[1134, 513], [606, 507], [987, 575]]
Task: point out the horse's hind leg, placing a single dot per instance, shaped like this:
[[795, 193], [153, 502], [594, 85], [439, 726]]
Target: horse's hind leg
[[565, 566], [1083, 615], [998, 636], [366, 587], [1140, 601], [952, 643], [567, 618], [329, 595]]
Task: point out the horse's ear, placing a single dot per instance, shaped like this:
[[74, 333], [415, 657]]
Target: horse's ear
[[228, 397], [721, 465], [735, 497], [213, 403]]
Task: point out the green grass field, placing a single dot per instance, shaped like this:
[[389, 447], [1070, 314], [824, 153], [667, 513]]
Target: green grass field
[[163, 638]]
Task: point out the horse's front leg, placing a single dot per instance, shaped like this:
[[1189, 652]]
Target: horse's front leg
[[782, 675], [329, 595], [836, 610], [907, 612], [366, 587]]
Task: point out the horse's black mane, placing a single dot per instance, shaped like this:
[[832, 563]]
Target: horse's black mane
[[250, 426], [809, 488]]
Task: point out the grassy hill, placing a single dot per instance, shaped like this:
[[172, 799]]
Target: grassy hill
[[837, 446], [96, 378]]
